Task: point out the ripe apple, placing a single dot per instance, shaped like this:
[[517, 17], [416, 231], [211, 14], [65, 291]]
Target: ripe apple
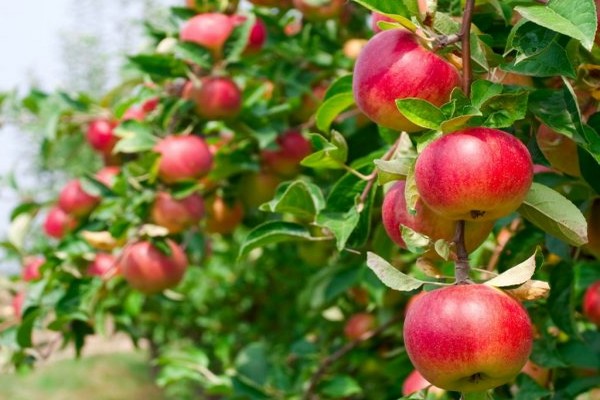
[[58, 223], [353, 47], [285, 161], [393, 65], [210, 30], [468, 338], [107, 175], [476, 174], [103, 266], [100, 135], [426, 222], [375, 18], [74, 200], [217, 98], [134, 113], [593, 228], [559, 150], [591, 303], [539, 374], [31, 268], [177, 214], [223, 216], [415, 382], [358, 325], [329, 9], [183, 158], [258, 33], [258, 188], [149, 270]]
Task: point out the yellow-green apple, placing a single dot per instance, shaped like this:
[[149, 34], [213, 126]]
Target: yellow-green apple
[[359, 325], [103, 266], [593, 228], [177, 215], [285, 160], [539, 374], [559, 150], [353, 47], [31, 268], [210, 30], [76, 201], [58, 223], [100, 135], [474, 174], [148, 269], [468, 338], [223, 216], [415, 382], [394, 65], [395, 214], [217, 98], [258, 33], [257, 188], [107, 175], [182, 158], [591, 303], [320, 11]]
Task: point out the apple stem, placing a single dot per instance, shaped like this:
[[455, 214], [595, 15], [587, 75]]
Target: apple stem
[[465, 35], [461, 266]]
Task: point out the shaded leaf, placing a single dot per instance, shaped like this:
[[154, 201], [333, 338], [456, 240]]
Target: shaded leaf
[[390, 276]]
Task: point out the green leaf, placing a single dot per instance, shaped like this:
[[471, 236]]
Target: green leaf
[[393, 170], [194, 53], [406, 8], [415, 241], [236, 43], [578, 21], [518, 274], [561, 302], [328, 154], [340, 86], [504, 110], [341, 386], [483, 90], [421, 112], [411, 194], [252, 363], [555, 214], [341, 224], [160, 65], [26, 327], [273, 232], [135, 137], [331, 108], [390, 276], [300, 198]]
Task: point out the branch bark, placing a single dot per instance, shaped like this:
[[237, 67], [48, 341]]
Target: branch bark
[[465, 35]]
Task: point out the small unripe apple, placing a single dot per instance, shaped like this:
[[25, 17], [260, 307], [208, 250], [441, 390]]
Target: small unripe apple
[[393, 65], [285, 161], [177, 215], [258, 34], [376, 18], [415, 382], [103, 266], [324, 11], [31, 268], [359, 325], [217, 98], [559, 150], [353, 47], [591, 303], [74, 200], [468, 338], [539, 374], [107, 175], [210, 30], [223, 216], [258, 188], [183, 158], [100, 135], [58, 223], [476, 174], [149, 270], [395, 214]]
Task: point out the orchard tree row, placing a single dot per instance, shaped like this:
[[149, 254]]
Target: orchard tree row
[[322, 199]]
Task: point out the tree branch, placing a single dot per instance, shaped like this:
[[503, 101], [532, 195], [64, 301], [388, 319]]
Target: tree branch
[[461, 266], [465, 34]]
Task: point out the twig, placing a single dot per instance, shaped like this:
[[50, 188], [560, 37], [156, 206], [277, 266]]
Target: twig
[[461, 266], [501, 245], [465, 34], [373, 177]]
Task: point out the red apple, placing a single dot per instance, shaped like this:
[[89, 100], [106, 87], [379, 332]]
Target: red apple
[[183, 158], [107, 175], [100, 135], [468, 338], [74, 200], [258, 33], [476, 174], [539, 374], [103, 266], [591, 303], [135, 113], [359, 325], [426, 222], [150, 104], [223, 216], [324, 11], [285, 161], [258, 188], [415, 382], [31, 268], [177, 215], [149, 270], [377, 17], [393, 65], [217, 98], [210, 30], [58, 223], [559, 150]]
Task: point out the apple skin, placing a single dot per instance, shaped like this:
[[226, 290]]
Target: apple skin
[[358, 325], [222, 216], [475, 174], [107, 175], [539, 374], [75, 201], [177, 215], [31, 268], [102, 266], [183, 158], [559, 150], [217, 98], [258, 188], [375, 18], [210, 30], [415, 382], [468, 338], [58, 223], [258, 33], [100, 135], [149, 270], [426, 222], [319, 13], [591, 303], [285, 161], [386, 70]]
